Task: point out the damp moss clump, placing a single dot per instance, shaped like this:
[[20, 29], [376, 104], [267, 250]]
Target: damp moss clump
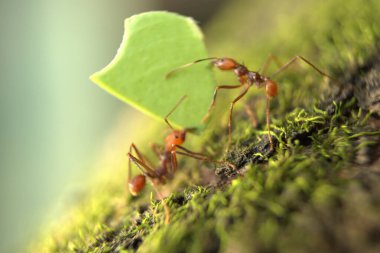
[[317, 191]]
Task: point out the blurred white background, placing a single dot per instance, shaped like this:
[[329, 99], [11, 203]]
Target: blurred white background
[[53, 119]]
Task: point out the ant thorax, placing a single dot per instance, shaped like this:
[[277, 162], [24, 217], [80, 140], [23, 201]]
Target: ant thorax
[[255, 78], [161, 171], [240, 70]]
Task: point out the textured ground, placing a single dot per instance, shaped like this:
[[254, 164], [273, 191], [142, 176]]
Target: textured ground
[[318, 191]]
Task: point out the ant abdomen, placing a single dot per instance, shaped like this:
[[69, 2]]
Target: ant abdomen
[[271, 88], [137, 184]]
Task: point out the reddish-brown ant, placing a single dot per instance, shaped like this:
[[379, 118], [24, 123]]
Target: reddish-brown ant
[[168, 160], [247, 78]]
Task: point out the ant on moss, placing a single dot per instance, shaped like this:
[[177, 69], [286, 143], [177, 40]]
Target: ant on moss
[[247, 79], [167, 161]]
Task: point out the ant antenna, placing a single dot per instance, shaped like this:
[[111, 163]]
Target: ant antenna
[[187, 65], [175, 107], [191, 129]]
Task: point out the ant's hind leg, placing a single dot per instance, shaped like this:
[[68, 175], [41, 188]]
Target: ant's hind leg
[[252, 115], [267, 111], [298, 57], [133, 147], [270, 59], [157, 149], [144, 167], [166, 207]]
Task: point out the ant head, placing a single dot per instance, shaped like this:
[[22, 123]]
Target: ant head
[[225, 63], [177, 137], [137, 184]]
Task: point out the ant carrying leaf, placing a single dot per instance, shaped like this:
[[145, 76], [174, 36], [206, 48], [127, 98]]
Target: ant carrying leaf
[[167, 161]]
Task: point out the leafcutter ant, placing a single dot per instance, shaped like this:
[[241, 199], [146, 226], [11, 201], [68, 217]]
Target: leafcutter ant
[[247, 79], [167, 161]]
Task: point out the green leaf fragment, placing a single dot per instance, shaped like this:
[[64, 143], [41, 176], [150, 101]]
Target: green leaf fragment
[[155, 43]]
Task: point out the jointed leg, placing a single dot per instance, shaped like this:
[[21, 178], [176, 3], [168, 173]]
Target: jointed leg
[[137, 184], [157, 149], [195, 155], [214, 97], [231, 109], [133, 147], [145, 168], [252, 115], [173, 161], [271, 58], [298, 57], [147, 171], [201, 157], [167, 209], [172, 110], [268, 122], [139, 158]]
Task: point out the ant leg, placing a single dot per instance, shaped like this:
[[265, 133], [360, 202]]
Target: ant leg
[[271, 58], [204, 158], [169, 74], [137, 184], [200, 156], [167, 209], [140, 157], [267, 111], [145, 168], [214, 97], [231, 109], [298, 57], [172, 110], [252, 115], [174, 161], [157, 149]]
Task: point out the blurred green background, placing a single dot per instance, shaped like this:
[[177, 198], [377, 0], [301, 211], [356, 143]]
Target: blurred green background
[[54, 121]]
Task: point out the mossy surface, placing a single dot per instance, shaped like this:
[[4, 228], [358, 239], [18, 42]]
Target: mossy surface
[[318, 191]]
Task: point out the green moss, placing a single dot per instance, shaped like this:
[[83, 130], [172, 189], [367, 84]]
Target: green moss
[[313, 193]]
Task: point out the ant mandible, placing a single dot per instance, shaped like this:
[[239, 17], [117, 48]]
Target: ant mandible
[[248, 78], [167, 161]]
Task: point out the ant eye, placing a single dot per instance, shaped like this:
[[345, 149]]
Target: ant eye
[[176, 136]]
